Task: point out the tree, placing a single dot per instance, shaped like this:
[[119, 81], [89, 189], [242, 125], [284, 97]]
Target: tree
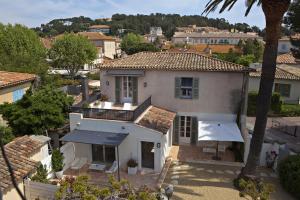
[[21, 50], [246, 60], [71, 52], [7, 135], [274, 11], [292, 18], [35, 113]]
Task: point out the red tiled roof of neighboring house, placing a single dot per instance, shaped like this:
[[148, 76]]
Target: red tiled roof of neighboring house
[[99, 26], [96, 36], [170, 61], [286, 58], [282, 72], [157, 119], [18, 152], [216, 48], [8, 79]]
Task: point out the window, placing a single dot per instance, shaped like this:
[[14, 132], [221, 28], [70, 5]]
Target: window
[[18, 94], [283, 89], [185, 126], [186, 88], [127, 87], [283, 47]]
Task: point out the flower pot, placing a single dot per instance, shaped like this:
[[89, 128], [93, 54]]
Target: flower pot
[[132, 170], [59, 174]]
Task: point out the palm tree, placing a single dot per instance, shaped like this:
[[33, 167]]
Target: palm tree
[[274, 11]]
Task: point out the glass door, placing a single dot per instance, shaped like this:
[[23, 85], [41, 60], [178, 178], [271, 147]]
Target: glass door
[[127, 89]]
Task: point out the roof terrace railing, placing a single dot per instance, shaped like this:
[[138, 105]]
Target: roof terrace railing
[[112, 114]]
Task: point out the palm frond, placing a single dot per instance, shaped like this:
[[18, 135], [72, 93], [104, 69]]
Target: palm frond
[[212, 5]]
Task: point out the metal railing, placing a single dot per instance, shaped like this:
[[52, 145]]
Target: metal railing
[[112, 114]]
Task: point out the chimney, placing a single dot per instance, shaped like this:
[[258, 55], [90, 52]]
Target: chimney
[[84, 88]]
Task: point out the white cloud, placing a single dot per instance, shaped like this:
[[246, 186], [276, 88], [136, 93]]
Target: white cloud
[[35, 12]]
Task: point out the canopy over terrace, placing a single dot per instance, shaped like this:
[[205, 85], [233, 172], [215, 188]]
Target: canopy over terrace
[[97, 138], [219, 132]]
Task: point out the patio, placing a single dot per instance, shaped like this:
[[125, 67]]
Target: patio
[[195, 153], [101, 178]]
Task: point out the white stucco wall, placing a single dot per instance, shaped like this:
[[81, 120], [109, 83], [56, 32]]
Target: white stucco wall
[[219, 92], [130, 147], [109, 49], [42, 154], [295, 88], [12, 194]]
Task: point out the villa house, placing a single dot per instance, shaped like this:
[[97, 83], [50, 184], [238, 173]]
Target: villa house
[[156, 100]]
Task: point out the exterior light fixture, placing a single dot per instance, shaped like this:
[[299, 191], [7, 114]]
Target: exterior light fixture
[[158, 145]]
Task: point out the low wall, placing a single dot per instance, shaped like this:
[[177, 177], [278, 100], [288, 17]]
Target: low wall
[[41, 191]]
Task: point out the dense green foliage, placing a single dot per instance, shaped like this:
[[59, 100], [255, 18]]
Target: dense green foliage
[[35, 113], [6, 135], [21, 50], [290, 110], [79, 188], [57, 160], [292, 18], [252, 51], [276, 103], [138, 24], [289, 174], [41, 174], [254, 188], [71, 52], [134, 43]]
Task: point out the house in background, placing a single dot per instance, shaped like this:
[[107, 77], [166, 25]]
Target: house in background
[[284, 45], [156, 100], [13, 86], [288, 59], [105, 29], [24, 154], [287, 82]]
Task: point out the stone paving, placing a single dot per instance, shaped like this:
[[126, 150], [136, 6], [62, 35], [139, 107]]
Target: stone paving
[[212, 182]]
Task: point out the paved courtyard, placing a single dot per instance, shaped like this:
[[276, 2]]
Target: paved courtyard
[[212, 182]]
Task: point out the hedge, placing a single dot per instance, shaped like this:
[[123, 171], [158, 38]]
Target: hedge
[[276, 103], [289, 174]]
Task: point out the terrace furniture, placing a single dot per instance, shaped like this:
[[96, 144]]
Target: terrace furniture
[[113, 168], [97, 167], [127, 106]]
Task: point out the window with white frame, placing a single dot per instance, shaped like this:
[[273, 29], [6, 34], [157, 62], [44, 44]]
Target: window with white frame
[[185, 126], [186, 88], [127, 86]]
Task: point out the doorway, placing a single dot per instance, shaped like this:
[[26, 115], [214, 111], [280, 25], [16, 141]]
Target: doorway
[[147, 154], [185, 128], [103, 153]]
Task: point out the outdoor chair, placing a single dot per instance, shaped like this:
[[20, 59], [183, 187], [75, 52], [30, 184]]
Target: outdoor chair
[[113, 168]]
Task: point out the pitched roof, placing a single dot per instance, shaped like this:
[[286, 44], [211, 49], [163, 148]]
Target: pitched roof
[[286, 58], [99, 26], [214, 35], [157, 119], [282, 72], [18, 153], [216, 48], [96, 36], [173, 61], [8, 79]]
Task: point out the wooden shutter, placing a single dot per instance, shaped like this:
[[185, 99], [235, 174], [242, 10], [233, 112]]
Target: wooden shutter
[[118, 86], [194, 136], [176, 130], [135, 90], [177, 87], [195, 88]]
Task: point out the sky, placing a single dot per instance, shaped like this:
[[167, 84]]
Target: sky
[[33, 13]]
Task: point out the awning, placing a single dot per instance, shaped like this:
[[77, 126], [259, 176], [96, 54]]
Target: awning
[[94, 137], [219, 131]]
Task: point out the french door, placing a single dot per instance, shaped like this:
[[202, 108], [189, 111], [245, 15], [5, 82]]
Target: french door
[[185, 128], [127, 89], [103, 154]]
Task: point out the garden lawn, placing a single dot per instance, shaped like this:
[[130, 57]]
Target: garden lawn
[[290, 110]]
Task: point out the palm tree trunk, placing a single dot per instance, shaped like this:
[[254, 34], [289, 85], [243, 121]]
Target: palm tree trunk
[[274, 11]]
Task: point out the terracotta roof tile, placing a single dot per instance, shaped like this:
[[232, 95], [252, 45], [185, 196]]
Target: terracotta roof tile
[[282, 72], [173, 61], [8, 79], [96, 36], [286, 58], [18, 153], [157, 119]]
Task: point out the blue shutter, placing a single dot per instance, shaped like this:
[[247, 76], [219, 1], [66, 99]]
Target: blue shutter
[[18, 94]]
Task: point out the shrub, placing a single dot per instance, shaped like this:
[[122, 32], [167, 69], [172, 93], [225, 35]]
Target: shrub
[[289, 110], [276, 103], [256, 189], [132, 163], [57, 160], [41, 175], [289, 174]]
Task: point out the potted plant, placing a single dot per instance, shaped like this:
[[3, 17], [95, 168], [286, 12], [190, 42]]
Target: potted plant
[[132, 166], [57, 163], [103, 98]]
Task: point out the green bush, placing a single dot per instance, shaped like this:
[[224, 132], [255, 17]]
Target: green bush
[[289, 174], [289, 110], [57, 160], [276, 103], [41, 175]]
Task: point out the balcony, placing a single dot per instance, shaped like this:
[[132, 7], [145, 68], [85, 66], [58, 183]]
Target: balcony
[[111, 111]]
